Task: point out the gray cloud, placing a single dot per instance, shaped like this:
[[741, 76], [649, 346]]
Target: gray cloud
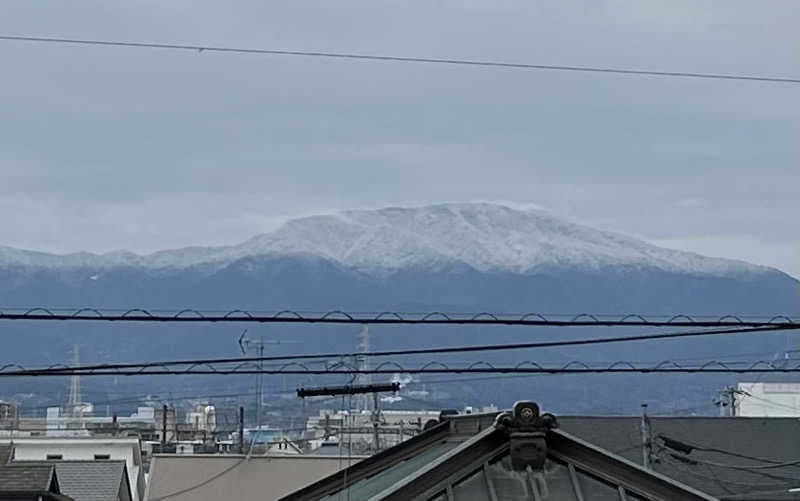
[[104, 148]]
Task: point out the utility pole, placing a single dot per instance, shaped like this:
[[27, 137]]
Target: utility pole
[[727, 398], [163, 427], [376, 421], [647, 442], [374, 389], [241, 429]]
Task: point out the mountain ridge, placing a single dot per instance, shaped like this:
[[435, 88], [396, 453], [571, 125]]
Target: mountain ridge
[[449, 258], [486, 237]]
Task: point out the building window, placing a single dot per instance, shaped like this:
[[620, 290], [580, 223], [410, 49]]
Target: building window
[[54, 457], [102, 456]]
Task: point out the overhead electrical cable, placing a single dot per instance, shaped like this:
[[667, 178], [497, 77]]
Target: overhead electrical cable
[[687, 447], [682, 464], [392, 317], [575, 367], [419, 351], [708, 464], [401, 59]]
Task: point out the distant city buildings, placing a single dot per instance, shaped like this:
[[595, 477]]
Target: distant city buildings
[[9, 415], [355, 431], [133, 459]]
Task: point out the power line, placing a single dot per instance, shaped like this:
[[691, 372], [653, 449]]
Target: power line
[[676, 458], [767, 494], [191, 315], [402, 59], [315, 358], [575, 367], [748, 467], [756, 470], [688, 447], [681, 464]]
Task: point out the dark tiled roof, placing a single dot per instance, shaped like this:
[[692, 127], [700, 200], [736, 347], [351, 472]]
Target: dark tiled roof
[[5, 454], [26, 478], [89, 480], [471, 457], [733, 440], [776, 439]]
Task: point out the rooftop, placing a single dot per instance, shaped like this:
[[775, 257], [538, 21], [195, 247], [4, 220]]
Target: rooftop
[[233, 476], [27, 478], [518, 454], [728, 457], [89, 480]]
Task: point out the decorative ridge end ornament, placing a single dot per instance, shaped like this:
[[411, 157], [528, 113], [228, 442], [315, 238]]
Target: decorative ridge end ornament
[[527, 430]]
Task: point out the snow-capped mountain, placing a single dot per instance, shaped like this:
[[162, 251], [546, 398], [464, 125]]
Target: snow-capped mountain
[[482, 236], [447, 258]]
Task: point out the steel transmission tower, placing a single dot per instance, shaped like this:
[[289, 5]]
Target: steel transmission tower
[[74, 405], [363, 364]]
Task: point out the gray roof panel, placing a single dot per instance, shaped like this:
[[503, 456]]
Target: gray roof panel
[[86, 480], [26, 478], [774, 439], [91, 480]]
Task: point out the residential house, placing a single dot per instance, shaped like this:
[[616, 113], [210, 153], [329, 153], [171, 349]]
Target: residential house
[[28, 482], [67, 449], [101, 480]]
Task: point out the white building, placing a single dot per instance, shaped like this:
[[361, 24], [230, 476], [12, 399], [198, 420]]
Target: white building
[[84, 448], [60, 423], [9, 414], [768, 399], [203, 418]]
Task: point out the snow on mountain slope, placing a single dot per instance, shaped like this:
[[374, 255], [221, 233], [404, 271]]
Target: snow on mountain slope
[[487, 237]]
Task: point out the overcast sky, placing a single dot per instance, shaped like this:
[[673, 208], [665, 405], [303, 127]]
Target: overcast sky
[[107, 148]]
